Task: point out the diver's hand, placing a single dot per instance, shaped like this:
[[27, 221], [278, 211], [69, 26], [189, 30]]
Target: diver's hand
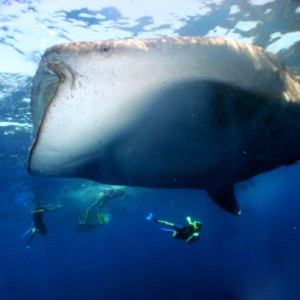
[[193, 237]]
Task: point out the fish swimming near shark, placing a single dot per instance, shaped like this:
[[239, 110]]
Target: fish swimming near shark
[[181, 112]]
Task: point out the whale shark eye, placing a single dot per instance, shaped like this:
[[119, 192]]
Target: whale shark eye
[[106, 50]]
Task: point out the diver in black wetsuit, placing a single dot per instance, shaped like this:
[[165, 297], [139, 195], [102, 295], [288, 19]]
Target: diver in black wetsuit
[[190, 233], [38, 225]]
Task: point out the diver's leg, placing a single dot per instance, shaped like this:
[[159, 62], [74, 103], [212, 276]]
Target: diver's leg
[[166, 223], [31, 236], [99, 203], [100, 217], [92, 206], [174, 227], [152, 218], [87, 218]]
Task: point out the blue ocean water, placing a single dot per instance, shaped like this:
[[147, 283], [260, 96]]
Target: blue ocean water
[[254, 256]]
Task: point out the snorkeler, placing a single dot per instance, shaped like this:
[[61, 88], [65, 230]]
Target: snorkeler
[[190, 233], [38, 225], [104, 197]]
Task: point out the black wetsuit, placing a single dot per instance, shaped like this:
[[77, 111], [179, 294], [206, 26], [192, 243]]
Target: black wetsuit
[[186, 231], [37, 219]]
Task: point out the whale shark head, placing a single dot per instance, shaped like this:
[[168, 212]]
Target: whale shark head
[[186, 112]]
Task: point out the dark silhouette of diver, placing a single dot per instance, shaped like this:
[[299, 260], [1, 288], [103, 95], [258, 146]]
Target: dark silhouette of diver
[[38, 225], [190, 232], [104, 197]]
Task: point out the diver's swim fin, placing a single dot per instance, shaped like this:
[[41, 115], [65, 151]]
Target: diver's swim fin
[[150, 217], [25, 233], [166, 229], [225, 198]]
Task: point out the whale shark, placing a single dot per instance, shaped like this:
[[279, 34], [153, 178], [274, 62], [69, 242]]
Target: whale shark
[[179, 112]]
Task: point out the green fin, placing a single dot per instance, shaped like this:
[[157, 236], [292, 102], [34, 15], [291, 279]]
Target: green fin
[[101, 218], [225, 198]]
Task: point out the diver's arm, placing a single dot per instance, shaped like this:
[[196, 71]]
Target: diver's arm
[[189, 220], [31, 236], [193, 237], [87, 218], [196, 224], [166, 223], [50, 209]]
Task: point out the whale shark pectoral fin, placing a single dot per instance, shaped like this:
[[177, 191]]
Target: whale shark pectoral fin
[[292, 162], [225, 198]]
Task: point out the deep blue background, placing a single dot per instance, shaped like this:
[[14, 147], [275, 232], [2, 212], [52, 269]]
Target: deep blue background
[[253, 256]]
